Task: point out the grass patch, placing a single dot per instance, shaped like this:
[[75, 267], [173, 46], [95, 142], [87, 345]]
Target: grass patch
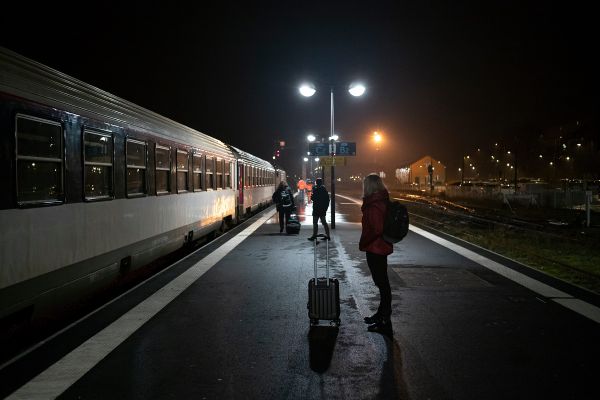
[[569, 257]]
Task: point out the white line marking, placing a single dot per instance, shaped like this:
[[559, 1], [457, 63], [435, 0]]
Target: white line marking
[[579, 306], [65, 372], [524, 280]]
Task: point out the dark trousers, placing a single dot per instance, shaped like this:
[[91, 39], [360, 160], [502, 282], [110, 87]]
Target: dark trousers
[[378, 266], [284, 214], [316, 218]]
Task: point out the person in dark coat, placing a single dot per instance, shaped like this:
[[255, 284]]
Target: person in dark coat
[[375, 200], [284, 201], [320, 199]]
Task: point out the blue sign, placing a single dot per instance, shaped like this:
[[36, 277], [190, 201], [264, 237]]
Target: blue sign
[[338, 148], [345, 149], [318, 149]]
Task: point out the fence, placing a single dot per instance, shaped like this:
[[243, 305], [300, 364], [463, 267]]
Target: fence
[[551, 198]]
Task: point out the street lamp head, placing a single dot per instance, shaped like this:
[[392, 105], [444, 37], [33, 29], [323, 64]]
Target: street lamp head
[[334, 137], [377, 137], [357, 89], [311, 137], [305, 159], [307, 89]]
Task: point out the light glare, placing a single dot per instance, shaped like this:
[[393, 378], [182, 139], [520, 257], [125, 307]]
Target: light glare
[[307, 90], [357, 89]]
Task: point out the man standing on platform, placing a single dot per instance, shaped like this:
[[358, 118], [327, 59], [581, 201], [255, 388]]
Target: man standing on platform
[[320, 199]]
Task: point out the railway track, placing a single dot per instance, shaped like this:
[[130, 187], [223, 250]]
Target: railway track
[[488, 226]]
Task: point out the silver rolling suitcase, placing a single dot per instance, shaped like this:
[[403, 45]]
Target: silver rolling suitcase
[[323, 293]]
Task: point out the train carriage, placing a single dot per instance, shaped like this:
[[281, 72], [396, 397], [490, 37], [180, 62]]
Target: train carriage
[[95, 187], [256, 182]]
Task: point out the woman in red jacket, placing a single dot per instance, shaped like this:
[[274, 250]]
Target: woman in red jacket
[[375, 200]]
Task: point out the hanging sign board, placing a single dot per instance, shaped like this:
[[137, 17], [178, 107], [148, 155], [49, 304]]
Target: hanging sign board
[[332, 161], [318, 149], [338, 148], [345, 149]]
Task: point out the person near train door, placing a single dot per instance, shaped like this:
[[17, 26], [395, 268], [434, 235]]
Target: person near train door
[[320, 199], [375, 201], [309, 188], [301, 188], [284, 200]]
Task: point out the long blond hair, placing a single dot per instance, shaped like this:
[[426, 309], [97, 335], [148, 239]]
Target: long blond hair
[[371, 184]]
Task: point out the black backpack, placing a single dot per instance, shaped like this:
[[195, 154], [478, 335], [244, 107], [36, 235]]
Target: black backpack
[[395, 226], [320, 199], [286, 199]]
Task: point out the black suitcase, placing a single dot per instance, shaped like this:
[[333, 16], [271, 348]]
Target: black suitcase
[[323, 293], [293, 225]]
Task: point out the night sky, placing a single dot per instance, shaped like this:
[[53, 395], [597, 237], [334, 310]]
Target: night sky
[[442, 78]]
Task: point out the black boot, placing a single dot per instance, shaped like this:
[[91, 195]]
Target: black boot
[[383, 327], [372, 319]]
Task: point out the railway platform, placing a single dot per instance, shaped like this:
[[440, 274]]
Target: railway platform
[[230, 322]]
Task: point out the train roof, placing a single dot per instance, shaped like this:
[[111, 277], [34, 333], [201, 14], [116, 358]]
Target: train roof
[[23, 77], [250, 159]]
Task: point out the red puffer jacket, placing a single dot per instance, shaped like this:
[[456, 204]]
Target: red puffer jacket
[[373, 210]]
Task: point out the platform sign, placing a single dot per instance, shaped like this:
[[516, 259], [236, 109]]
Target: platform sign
[[345, 148], [339, 148], [318, 149], [332, 161]]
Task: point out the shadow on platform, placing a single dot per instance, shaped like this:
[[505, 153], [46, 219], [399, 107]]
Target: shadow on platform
[[321, 342], [392, 384]]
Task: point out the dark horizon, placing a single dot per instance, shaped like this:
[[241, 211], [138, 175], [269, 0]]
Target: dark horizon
[[442, 80]]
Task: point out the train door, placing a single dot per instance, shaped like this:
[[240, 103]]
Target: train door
[[241, 182]]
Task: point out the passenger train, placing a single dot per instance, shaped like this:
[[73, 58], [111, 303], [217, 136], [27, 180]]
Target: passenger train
[[95, 187]]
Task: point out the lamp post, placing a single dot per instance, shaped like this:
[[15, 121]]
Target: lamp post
[[462, 171], [356, 90], [304, 161], [310, 138], [377, 138]]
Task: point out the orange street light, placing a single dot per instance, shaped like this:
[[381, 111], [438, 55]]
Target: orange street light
[[377, 137]]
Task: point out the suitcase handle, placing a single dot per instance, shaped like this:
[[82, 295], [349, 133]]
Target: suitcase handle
[[323, 238]]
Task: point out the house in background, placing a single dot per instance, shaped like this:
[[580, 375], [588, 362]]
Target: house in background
[[417, 173]]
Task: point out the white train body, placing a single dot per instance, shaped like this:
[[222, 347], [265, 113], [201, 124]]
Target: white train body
[[96, 187]]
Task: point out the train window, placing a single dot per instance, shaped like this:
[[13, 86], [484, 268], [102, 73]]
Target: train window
[[228, 175], [219, 173], [183, 162], [39, 160], [162, 156], [136, 167], [98, 161], [197, 168], [210, 169], [248, 181]]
